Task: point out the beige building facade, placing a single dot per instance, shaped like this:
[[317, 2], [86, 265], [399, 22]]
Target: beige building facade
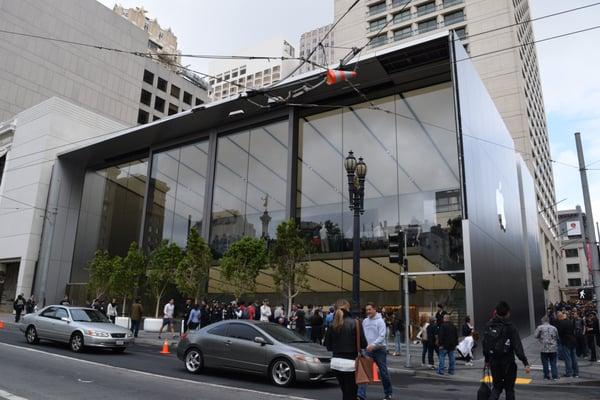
[[495, 34]]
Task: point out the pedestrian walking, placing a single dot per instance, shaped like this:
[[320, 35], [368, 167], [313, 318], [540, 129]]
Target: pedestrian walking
[[447, 342], [566, 333], [501, 342], [547, 335], [265, 311], [398, 332], [465, 348], [316, 321], [111, 311], [591, 331], [342, 341], [19, 307], [193, 322], [422, 336], [168, 312], [375, 330], [30, 305], [467, 327], [137, 311], [582, 348], [432, 330], [187, 308], [329, 318]]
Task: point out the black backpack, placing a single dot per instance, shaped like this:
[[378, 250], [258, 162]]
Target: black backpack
[[496, 341]]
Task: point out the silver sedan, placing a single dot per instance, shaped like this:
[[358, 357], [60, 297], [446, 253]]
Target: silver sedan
[[77, 326], [255, 347]]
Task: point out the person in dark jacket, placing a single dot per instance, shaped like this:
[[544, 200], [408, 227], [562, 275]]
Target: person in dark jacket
[[316, 321], [447, 342], [467, 327], [19, 307], [432, 331], [591, 331], [342, 342], [566, 333], [398, 332], [204, 314], [502, 364], [300, 321], [187, 308]]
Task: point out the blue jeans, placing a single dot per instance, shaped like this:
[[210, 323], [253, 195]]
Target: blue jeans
[[380, 358], [570, 356], [135, 327], [398, 341], [549, 364], [451, 361]]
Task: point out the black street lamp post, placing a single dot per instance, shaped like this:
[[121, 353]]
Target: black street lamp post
[[357, 171]]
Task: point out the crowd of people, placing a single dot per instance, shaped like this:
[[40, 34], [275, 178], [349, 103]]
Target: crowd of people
[[22, 306]]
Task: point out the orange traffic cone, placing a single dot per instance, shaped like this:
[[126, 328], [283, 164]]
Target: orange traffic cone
[[334, 76], [165, 348], [1, 324], [376, 373]]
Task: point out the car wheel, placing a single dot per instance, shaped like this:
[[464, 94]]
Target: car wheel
[[282, 372], [76, 342], [31, 335], [118, 349], [193, 360]]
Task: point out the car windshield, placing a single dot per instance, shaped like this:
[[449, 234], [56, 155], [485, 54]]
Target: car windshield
[[282, 334], [88, 315]]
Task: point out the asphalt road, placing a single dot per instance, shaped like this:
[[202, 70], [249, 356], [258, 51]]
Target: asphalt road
[[51, 371]]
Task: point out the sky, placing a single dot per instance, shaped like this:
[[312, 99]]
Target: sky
[[568, 66]]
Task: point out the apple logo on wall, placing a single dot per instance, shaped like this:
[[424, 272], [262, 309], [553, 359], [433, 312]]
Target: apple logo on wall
[[500, 207]]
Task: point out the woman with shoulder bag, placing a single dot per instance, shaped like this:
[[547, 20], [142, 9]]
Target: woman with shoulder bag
[[341, 340]]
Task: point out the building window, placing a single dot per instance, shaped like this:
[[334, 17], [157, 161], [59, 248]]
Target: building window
[[187, 98], [379, 40], [454, 18], [199, 101], [377, 8], [461, 33], [175, 91], [155, 118], [146, 97], [226, 77], [402, 34], [173, 109], [571, 253], [450, 3], [403, 16], [575, 282], [243, 71], [377, 25], [2, 163], [148, 77], [426, 8], [398, 3], [161, 84], [571, 268], [234, 74], [142, 117], [159, 104], [427, 26]]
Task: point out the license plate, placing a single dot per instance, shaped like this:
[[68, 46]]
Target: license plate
[[120, 343]]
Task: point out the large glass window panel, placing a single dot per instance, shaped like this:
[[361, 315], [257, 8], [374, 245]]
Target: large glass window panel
[[111, 213], [250, 185], [176, 199]]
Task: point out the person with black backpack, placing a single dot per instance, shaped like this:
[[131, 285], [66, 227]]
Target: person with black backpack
[[501, 342]]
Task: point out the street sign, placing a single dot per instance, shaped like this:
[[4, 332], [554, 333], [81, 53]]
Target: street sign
[[585, 294]]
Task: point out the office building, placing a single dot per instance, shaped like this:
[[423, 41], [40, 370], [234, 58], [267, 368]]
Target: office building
[[576, 263], [437, 169], [123, 87], [234, 76], [324, 55], [510, 76]]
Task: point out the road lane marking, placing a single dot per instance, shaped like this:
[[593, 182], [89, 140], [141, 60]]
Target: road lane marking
[[150, 374], [10, 396]]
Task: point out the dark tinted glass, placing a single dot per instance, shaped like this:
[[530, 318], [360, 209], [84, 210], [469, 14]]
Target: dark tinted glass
[[241, 331], [220, 330], [88, 315], [50, 312], [61, 313], [282, 334]]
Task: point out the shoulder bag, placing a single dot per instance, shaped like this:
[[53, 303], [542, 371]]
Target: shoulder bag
[[363, 372]]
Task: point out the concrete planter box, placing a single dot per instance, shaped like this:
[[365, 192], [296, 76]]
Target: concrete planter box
[[152, 324], [125, 322]]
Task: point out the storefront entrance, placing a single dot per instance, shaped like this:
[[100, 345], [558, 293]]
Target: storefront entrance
[[9, 272]]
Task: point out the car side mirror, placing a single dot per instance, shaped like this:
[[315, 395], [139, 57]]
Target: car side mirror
[[260, 340], [67, 320]]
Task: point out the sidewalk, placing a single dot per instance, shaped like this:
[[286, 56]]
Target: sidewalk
[[588, 371]]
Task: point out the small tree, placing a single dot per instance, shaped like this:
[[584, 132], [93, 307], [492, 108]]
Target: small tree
[[161, 269], [125, 279], [101, 267], [290, 273], [194, 267], [241, 264]]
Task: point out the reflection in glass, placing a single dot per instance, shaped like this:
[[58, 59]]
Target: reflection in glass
[[111, 213], [176, 198], [250, 185]]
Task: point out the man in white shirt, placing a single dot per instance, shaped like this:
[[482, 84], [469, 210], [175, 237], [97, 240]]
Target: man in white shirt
[[265, 311], [168, 317]]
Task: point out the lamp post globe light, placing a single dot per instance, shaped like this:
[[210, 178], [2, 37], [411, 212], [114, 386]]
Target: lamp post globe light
[[357, 172]]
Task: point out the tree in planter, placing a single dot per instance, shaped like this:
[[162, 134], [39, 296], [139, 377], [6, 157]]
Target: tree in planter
[[101, 267], [162, 266], [241, 264], [290, 273], [194, 267], [125, 280]]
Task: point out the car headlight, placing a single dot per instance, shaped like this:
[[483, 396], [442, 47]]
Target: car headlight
[[98, 333], [129, 335], [304, 357]]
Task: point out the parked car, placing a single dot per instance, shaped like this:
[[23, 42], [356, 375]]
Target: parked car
[[256, 347], [79, 327]]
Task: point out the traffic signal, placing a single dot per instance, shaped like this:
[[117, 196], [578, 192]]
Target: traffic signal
[[396, 247], [585, 294], [412, 286]]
